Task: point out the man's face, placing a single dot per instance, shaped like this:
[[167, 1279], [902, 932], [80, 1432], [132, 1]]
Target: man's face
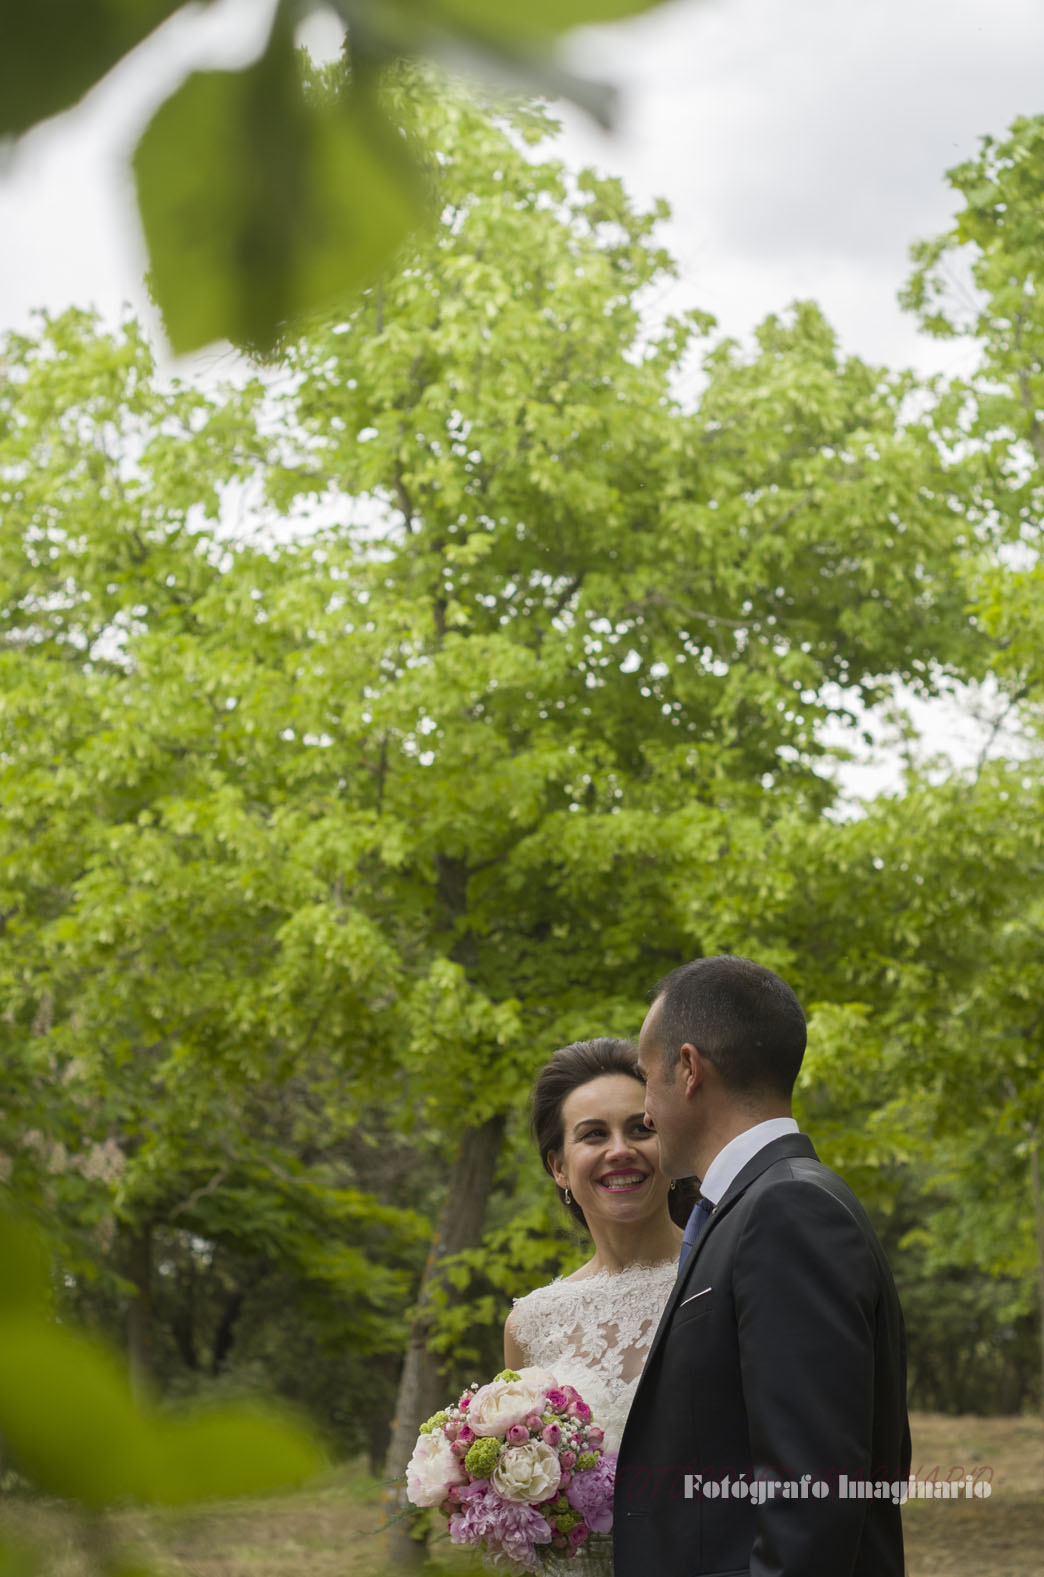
[[665, 1106]]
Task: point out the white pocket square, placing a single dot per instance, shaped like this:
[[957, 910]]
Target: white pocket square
[[695, 1295]]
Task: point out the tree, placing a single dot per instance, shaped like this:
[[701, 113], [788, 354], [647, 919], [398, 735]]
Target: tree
[[163, 996], [601, 632], [980, 281], [527, 709]]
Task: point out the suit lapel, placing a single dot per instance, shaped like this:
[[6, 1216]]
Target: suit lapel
[[790, 1147]]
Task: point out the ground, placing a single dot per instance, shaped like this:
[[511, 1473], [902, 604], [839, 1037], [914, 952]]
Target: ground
[[330, 1530]]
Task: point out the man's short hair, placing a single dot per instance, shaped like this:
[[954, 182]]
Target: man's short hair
[[739, 1015]]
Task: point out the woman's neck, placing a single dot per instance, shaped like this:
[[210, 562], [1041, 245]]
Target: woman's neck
[[634, 1243]]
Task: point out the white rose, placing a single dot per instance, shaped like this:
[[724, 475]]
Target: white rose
[[538, 1381], [431, 1470], [528, 1473], [498, 1405]]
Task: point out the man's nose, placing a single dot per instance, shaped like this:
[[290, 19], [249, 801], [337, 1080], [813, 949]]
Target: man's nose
[[647, 1120]]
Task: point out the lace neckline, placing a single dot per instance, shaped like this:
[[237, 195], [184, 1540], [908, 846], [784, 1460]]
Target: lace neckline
[[624, 1270]]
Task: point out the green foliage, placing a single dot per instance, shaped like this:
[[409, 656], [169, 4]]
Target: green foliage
[[315, 843], [52, 54], [72, 1428], [306, 200], [259, 200]]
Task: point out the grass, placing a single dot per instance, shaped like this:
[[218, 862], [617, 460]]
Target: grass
[[329, 1530]]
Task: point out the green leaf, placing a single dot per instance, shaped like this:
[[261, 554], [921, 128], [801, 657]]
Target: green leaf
[[17, 1560], [534, 17], [216, 1455], [259, 205], [25, 1284], [67, 1416], [52, 51]]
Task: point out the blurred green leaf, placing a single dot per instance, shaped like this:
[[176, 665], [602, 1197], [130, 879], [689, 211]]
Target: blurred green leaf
[[53, 51], [259, 204], [67, 1415], [25, 1284], [216, 1455], [17, 1560], [535, 17]]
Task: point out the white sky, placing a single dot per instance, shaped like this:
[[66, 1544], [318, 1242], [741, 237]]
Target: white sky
[[802, 146]]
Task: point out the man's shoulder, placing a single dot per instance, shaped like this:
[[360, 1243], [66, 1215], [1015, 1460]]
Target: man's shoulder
[[801, 1173]]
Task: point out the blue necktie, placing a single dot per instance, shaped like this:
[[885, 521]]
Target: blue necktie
[[693, 1227]]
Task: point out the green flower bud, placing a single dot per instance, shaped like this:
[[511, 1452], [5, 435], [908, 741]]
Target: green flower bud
[[482, 1457]]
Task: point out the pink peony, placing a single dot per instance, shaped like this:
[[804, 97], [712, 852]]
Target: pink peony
[[505, 1527], [591, 1493], [501, 1403]]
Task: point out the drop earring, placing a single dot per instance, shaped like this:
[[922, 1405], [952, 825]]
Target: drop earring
[[568, 1197], [674, 1183]]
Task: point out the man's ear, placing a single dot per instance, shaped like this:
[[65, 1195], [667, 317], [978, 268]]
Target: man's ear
[[692, 1066]]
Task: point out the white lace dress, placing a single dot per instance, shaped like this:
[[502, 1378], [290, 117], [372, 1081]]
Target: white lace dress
[[595, 1334]]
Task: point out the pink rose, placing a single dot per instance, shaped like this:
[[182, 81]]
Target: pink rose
[[557, 1400], [465, 1434], [568, 1459], [595, 1436], [551, 1435], [578, 1534], [517, 1435], [533, 1423], [465, 1401]]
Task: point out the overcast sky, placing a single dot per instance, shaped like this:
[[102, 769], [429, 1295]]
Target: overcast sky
[[801, 145]]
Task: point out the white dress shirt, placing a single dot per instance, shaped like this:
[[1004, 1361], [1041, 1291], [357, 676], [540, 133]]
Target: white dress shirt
[[729, 1162]]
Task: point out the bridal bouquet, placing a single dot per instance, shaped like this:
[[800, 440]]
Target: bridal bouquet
[[518, 1467]]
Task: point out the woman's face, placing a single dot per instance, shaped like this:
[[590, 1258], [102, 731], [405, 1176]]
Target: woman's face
[[609, 1158]]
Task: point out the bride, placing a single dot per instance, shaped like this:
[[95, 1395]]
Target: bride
[[594, 1328]]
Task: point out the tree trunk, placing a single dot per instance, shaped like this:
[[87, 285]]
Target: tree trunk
[[139, 1311], [183, 1323], [420, 1388], [225, 1334], [1038, 1208]]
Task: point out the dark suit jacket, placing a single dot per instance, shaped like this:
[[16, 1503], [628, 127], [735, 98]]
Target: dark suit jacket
[[781, 1353]]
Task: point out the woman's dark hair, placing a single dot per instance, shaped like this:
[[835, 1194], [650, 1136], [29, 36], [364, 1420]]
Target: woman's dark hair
[[568, 1069]]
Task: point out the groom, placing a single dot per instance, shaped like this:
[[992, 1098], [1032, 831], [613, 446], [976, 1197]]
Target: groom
[[769, 1432]]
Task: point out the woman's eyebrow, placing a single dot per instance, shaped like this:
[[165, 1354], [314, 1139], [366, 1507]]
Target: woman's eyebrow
[[635, 1117]]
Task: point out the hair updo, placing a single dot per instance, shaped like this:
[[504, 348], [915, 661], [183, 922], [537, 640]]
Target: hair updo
[[569, 1068]]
